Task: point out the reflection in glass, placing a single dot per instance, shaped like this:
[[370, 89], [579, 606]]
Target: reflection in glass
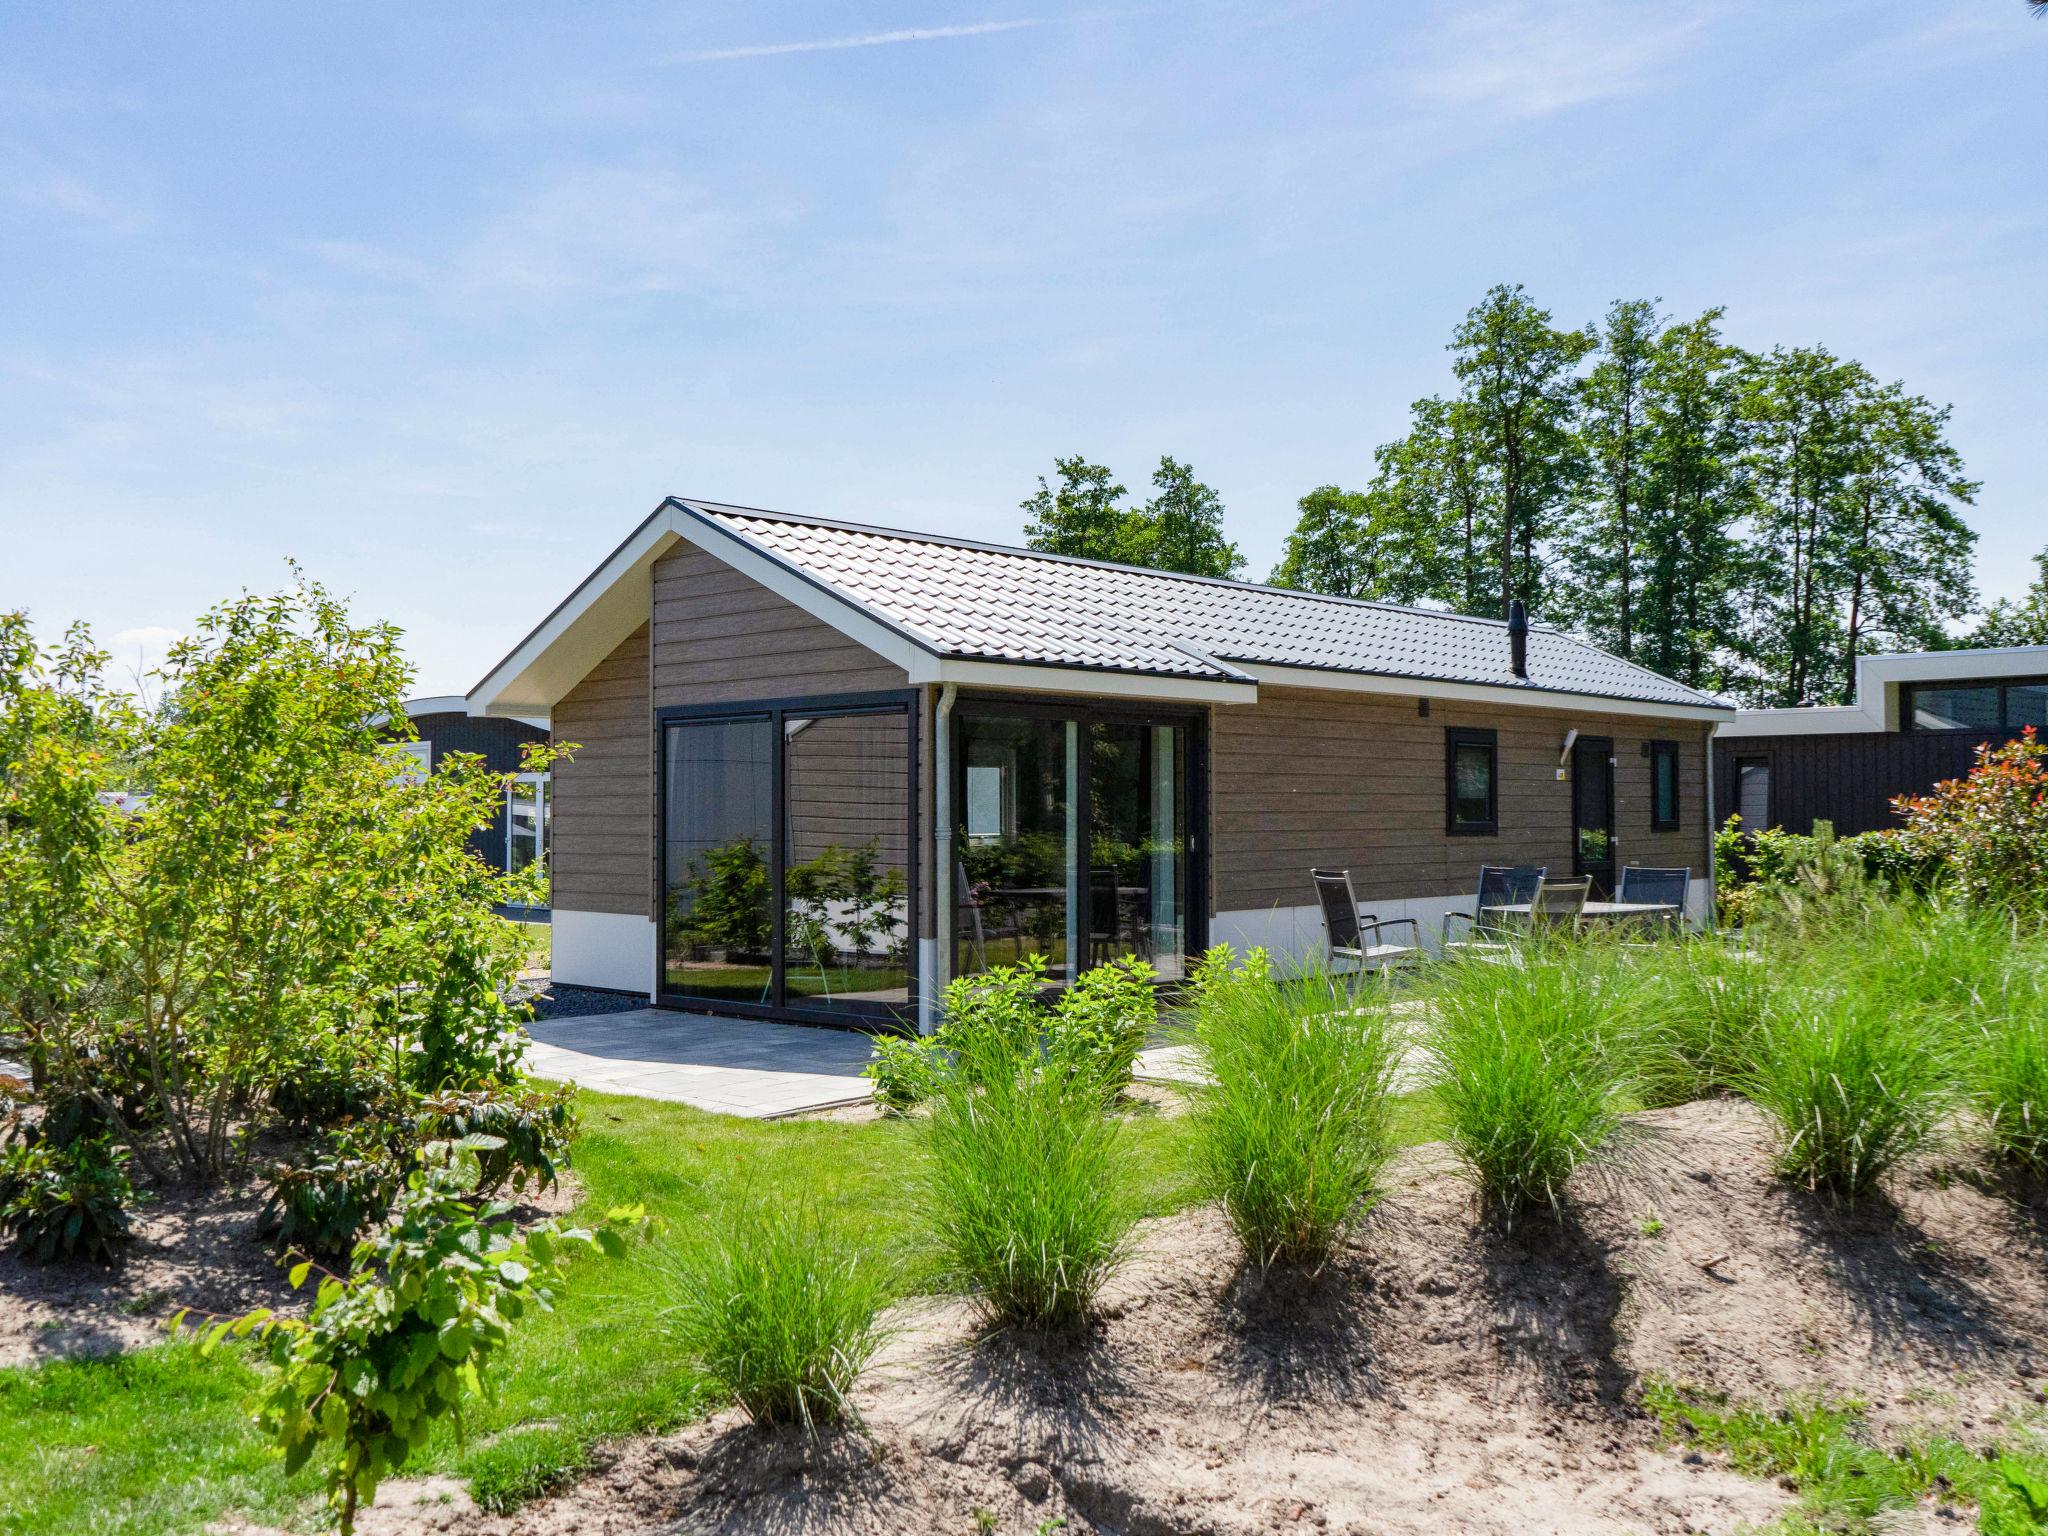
[[1014, 874], [2026, 704], [1955, 709], [525, 821], [1137, 793], [846, 923], [718, 915]]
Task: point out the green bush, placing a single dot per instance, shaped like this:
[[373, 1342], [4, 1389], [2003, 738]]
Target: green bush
[[394, 1348], [1102, 1021], [1855, 1088], [333, 1081], [1988, 830], [66, 1202], [903, 1070], [532, 1126], [778, 1309], [1026, 1177], [342, 1188], [1702, 1015], [1529, 1061], [1293, 1130]]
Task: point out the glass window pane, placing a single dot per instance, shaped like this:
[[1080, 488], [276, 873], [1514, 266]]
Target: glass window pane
[[1014, 871], [846, 885], [2026, 704], [1137, 899], [718, 915], [1664, 785], [522, 824], [1471, 784], [1955, 709]]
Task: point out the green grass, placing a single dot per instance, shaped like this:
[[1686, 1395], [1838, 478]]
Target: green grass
[[159, 1441], [2007, 1079], [778, 1310], [1530, 1062], [1702, 1015], [1296, 1130], [1844, 1482]]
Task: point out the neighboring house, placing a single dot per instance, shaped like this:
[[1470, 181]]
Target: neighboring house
[[1917, 719], [518, 834], [825, 767]]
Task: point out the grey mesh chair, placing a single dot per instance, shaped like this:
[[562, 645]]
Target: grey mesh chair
[[1500, 885], [1355, 939], [1669, 887], [1559, 903]]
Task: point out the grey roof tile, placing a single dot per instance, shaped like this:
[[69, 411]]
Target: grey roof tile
[[986, 602]]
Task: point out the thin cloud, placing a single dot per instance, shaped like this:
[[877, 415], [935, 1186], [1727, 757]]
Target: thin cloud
[[866, 40]]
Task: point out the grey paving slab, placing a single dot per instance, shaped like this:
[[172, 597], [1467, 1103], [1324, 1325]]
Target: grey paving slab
[[728, 1066]]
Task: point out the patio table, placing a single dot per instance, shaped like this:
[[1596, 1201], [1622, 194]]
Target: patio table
[[1595, 908]]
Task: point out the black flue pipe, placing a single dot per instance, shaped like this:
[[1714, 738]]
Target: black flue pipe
[[1518, 638]]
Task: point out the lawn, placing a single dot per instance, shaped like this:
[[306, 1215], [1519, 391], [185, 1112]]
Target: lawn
[[158, 1441]]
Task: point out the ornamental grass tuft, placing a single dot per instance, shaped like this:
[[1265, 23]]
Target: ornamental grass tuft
[[1294, 1127]]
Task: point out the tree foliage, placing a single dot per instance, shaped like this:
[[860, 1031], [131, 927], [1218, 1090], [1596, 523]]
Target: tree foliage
[[1179, 529]]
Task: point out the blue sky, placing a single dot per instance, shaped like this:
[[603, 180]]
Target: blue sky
[[441, 299]]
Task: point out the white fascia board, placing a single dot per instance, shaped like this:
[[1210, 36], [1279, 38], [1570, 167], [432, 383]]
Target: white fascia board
[[1094, 682], [1821, 720], [437, 704], [1476, 693]]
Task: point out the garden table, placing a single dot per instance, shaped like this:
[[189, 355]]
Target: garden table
[[1595, 908]]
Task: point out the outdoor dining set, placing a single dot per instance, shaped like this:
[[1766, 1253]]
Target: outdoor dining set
[[1513, 902]]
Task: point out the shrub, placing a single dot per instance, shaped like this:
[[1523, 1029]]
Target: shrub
[[1528, 1061], [531, 1125], [1102, 1021], [1026, 1184], [1294, 1129], [1988, 830], [344, 1187], [778, 1309], [1703, 1015], [994, 1028], [330, 1083], [395, 1347], [903, 1071], [2008, 1084], [67, 1201], [1855, 1087]]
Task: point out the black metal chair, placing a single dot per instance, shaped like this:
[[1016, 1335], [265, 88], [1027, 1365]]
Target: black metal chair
[[1500, 885], [1668, 887], [1352, 937]]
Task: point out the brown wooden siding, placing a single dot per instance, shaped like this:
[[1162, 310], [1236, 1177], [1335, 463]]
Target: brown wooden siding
[[603, 851], [1305, 778], [720, 637], [1848, 779]]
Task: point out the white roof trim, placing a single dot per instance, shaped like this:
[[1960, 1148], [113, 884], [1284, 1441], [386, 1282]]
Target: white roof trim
[[1878, 680], [1477, 693], [1017, 676]]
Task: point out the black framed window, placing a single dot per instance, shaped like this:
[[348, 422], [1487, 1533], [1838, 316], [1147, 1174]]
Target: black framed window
[[788, 856], [2002, 706], [1753, 792], [1471, 782], [1663, 785]]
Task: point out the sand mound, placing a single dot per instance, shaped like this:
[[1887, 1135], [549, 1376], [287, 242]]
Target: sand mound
[[1443, 1376]]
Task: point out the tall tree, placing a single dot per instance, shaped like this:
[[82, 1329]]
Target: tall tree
[[1084, 517], [1603, 546], [2018, 621], [1519, 380], [1327, 551], [1181, 527]]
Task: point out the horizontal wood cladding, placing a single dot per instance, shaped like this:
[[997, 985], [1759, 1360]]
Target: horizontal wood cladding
[[602, 858], [722, 638], [1848, 779], [1356, 781]]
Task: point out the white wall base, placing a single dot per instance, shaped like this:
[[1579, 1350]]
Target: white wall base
[[927, 994], [603, 949], [1295, 934]]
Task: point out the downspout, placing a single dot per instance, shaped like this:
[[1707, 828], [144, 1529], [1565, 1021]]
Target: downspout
[[944, 897], [1713, 876]]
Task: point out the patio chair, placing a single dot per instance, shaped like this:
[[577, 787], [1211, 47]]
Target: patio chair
[[1500, 885], [1354, 938], [1559, 903], [1669, 886]]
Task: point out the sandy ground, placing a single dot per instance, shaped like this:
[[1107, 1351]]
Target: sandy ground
[[1443, 1376]]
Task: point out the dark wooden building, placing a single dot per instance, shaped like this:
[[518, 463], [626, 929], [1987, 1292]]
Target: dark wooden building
[[1918, 719], [518, 834]]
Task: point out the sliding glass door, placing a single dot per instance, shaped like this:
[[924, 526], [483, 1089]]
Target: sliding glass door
[[787, 857], [1073, 842]]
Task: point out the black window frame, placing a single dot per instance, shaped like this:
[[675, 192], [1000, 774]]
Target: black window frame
[[1736, 764], [1909, 713], [862, 1016], [1661, 751], [1457, 737]]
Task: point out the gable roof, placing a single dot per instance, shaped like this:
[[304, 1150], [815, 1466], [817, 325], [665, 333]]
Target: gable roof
[[988, 602], [957, 610]]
